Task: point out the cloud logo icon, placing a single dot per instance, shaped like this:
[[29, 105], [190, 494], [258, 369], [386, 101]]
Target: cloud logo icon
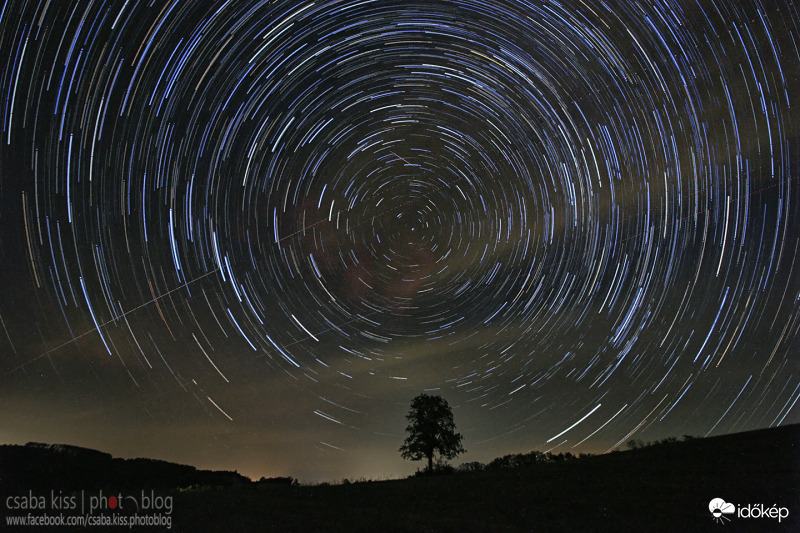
[[719, 508]]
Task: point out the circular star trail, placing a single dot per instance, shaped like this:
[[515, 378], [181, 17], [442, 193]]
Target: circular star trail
[[577, 222]]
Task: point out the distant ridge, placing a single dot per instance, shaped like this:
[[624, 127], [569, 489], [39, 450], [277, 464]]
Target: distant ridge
[[668, 486], [38, 466], [64, 466]]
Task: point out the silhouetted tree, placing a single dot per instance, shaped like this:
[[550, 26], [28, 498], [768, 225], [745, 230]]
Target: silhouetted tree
[[431, 430], [473, 466], [634, 444]]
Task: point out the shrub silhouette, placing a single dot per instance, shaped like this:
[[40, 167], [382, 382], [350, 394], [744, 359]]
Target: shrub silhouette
[[473, 466], [286, 481]]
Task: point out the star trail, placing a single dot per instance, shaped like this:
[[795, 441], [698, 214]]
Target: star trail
[[245, 234]]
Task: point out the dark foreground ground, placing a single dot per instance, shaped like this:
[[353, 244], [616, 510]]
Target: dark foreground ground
[[660, 488]]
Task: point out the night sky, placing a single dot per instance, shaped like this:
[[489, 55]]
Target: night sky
[[244, 235]]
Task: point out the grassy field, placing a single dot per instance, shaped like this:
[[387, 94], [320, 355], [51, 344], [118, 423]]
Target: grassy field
[[666, 487], [660, 488]]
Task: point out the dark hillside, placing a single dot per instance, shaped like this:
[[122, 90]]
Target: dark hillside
[[664, 487], [45, 467]]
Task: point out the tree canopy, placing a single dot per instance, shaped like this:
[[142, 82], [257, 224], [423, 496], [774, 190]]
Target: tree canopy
[[431, 431]]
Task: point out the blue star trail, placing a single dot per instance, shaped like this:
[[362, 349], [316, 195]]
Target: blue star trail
[[245, 226]]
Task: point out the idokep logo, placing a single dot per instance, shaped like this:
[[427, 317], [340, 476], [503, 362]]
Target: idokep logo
[[719, 508]]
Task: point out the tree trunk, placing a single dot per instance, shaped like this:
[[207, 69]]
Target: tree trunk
[[430, 462]]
